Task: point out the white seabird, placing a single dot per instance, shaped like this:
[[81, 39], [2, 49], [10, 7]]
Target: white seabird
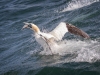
[[50, 39]]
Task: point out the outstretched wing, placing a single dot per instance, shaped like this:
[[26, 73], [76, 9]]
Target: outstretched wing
[[74, 30], [59, 31], [63, 27]]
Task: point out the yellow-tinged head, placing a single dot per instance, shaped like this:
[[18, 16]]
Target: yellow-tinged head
[[31, 26]]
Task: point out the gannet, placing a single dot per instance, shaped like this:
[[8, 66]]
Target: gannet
[[50, 39]]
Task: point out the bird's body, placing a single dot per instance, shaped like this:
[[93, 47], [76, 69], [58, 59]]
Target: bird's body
[[43, 39], [48, 40]]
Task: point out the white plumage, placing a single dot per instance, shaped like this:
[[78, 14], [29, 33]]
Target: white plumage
[[59, 31], [48, 40]]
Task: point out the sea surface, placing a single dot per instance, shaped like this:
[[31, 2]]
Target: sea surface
[[20, 54]]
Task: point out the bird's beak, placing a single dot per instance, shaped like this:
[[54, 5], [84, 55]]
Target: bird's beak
[[26, 25]]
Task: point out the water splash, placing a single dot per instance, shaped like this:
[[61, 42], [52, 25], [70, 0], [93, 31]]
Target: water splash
[[75, 4], [87, 55], [85, 51]]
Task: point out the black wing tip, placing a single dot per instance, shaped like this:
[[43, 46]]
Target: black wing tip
[[74, 30], [86, 36]]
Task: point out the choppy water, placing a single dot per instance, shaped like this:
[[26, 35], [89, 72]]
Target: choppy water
[[20, 54]]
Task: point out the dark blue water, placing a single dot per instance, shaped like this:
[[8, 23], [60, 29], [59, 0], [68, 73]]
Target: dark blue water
[[20, 54]]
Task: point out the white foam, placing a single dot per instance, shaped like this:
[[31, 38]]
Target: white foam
[[75, 4], [87, 50]]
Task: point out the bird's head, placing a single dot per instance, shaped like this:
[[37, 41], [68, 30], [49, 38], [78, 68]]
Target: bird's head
[[31, 26]]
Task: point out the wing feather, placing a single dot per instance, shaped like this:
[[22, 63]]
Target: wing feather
[[63, 28], [59, 31], [74, 30]]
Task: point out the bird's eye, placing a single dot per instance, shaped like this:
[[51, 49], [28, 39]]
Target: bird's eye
[[30, 25]]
